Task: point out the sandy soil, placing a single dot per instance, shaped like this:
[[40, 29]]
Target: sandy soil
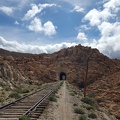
[[62, 109]]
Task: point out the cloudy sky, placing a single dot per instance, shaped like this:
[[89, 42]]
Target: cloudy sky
[[45, 26]]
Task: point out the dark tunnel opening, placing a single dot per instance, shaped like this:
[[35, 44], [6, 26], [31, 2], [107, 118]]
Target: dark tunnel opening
[[62, 76]]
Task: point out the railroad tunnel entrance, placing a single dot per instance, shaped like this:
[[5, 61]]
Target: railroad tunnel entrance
[[62, 76]]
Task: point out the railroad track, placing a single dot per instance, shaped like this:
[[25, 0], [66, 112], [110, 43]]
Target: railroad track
[[31, 105]]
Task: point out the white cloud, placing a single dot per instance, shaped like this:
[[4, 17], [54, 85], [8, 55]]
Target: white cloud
[[48, 28], [15, 46], [6, 10], [109, 41], [110, 46], [81, 36], [109, 29], [93, 16], [35, 25], [113, 5], [16, 23], [35, 10], [96, 17], [84, 27], [31, 13], [78, 9]]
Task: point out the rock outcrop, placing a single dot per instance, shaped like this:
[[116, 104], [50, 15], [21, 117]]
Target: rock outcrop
[[106, 91]]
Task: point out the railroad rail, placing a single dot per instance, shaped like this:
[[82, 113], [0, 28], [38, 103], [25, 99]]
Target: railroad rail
[[31, 105]]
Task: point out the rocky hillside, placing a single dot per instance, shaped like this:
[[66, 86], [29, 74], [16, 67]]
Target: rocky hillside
[[17, 68], [106, 91], [71, 61]]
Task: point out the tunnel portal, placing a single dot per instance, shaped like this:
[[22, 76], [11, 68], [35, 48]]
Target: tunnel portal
[[62, 76]]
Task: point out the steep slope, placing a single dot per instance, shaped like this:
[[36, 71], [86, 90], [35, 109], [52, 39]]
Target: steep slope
[[10, 77], [107, 92]]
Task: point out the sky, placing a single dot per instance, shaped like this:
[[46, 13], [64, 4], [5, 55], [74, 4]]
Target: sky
[[46, 26]]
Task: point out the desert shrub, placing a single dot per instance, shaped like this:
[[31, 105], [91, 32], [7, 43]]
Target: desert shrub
[[75, 104], [72, 94], [59, 86], [7, 88], [3, 92], [14, 95], [53, 98], [92, 115], [1, 99], [38, 84], [18, 90], [25, 94], [25, 91], [87, 100], [30, 82], [90, 107], [24, 117], [21, 91], [61, 83], [82, 117], [39, 87], [79, 111]]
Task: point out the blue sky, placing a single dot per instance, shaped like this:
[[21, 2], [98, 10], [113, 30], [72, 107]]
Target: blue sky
[[46, 26]]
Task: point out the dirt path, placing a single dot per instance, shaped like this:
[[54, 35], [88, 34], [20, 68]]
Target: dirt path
[[62, 109]]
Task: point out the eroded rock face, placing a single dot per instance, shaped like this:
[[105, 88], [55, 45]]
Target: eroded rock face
[[103, 73], [10, 77], [71, 61], [107, 92]]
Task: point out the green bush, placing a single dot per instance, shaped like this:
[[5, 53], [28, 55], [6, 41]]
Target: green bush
[[53, 98], [24, 117], [1, 99], [92, 115], [61, 83], [82, 117], [3, 93], [21, 91], [72, 94], [79, 111], [39, 87], [90, 107], [14, 95], [87, 100], [25, 91]]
